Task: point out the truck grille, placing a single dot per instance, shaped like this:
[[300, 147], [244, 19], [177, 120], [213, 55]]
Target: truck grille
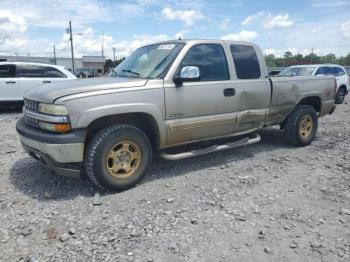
[[31, 105], [31, 121]]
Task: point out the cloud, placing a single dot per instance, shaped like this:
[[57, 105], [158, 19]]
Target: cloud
[[345, 29], [225, 24], [328, 4], [252, 18], [268, 20], [181, 34], [186, 16], [317, 29], [12, 29], [57, 13], [241, 36], [277, 21], [90, 43]]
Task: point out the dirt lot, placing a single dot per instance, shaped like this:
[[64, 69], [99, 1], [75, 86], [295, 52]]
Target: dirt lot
[[264, 202]]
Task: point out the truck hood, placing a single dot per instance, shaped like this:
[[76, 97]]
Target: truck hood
[[48, 93]]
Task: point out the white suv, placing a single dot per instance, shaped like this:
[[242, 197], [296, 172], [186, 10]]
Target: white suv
[[18, 77], [339, 72]]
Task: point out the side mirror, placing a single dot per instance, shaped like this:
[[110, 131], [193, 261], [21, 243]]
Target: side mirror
[[188, 73]]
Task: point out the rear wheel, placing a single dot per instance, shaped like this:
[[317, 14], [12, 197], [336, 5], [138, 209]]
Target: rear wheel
[[340, 96], [117, 157], [301, 126]]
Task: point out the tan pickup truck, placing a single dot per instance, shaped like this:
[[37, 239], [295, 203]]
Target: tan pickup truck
[[162, 96]]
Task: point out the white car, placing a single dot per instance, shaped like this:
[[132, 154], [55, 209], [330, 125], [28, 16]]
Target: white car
[[339, 72], [18, 77]]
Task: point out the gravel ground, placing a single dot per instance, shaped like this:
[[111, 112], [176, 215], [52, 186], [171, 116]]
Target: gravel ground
[[264, 202]]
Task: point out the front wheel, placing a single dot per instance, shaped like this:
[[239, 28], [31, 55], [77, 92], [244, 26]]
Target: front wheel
[[301, 126], [117, 157]]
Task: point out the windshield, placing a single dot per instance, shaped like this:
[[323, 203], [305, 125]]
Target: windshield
[[149, 61], [298, 71]]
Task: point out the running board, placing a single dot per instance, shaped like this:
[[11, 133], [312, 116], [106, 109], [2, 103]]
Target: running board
[[215, 148]]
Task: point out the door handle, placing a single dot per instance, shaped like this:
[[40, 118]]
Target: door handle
[[46, 82], [229, 92], [11, 82]]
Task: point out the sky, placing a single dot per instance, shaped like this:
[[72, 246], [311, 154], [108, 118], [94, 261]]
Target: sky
[[35, 26]]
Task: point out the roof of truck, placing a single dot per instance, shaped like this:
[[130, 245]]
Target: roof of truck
[[184, 41]]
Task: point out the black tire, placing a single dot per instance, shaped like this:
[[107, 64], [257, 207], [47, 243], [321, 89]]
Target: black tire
[[96, 156], [292, 128], [340, 96]]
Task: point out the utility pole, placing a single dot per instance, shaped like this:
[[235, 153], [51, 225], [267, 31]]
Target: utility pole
[[312, 54], [71, 44], [103, 42], [54, 54], [114, 54]]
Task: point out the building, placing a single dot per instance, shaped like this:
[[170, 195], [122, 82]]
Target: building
[[92, 65]]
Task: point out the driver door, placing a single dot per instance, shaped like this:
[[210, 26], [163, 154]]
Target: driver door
[[201, 109]]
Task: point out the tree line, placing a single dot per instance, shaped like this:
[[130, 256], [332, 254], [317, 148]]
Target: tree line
[[289, 59], [109, 63]]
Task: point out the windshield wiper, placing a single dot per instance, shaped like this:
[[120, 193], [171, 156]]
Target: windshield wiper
[[131, 72]]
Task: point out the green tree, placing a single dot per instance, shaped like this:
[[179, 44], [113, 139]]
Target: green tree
[[109, 63], [287, 55], [330, 59], [270, 60]]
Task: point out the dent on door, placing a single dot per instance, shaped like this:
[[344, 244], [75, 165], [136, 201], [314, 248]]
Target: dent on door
[[252, 104]]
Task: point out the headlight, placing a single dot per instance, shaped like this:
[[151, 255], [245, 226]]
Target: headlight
[[51, 109]]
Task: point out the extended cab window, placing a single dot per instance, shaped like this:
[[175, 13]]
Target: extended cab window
[[30, 71], [53, 72], [246, 62], [211, 61], [7, 71]]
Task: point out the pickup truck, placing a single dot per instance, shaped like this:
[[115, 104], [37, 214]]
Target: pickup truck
[[162, 96]]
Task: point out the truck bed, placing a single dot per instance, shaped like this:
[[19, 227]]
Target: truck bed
[[286, 92]]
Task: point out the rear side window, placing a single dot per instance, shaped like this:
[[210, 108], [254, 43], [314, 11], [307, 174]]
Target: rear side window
[[53, 72], [246, 62], [339, 71], [7, 71], [30, 71], [211, 61], [326, 70]]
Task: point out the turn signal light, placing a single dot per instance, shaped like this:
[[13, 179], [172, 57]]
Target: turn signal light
[[59, 128]]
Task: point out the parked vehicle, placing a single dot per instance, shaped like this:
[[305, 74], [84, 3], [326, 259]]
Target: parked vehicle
[[347, 68], [18, 77], [275, 71], [339, 72], [84, 74], [162, 96]]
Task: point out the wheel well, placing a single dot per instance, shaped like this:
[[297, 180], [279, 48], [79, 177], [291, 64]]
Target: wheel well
[[313, 101], [143, 121], [342, 86]]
